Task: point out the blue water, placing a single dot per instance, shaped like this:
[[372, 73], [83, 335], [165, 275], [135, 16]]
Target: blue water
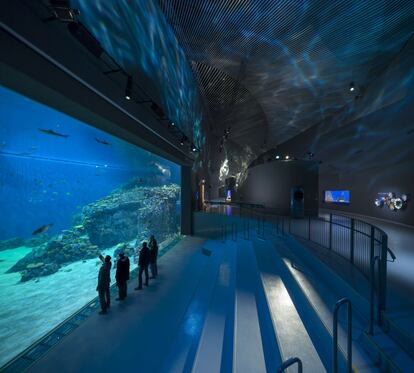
[[51, 167], [48, 179]]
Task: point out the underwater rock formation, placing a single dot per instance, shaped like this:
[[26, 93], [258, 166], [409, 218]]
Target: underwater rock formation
[[131, 213], [11, 243], [124, 215], [48, 258], [15, 242]]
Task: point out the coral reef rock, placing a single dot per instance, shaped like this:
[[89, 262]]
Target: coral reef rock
[[48, 258], [130, 213], [126, 215], [11, 243]]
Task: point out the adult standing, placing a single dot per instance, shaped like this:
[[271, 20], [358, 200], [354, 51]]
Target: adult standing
[[104, 280], [153, 248], [143, 262], [122, 275]]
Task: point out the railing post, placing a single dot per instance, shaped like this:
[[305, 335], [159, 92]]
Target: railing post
[[372, 294], [234, 231], [223, 232], [290, 219], [330, 231], [283, 225], [382, 303], [287, 363], [335, 336], [309, 228], [352, 243]]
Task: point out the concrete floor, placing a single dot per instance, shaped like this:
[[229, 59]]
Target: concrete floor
[[216, 307]]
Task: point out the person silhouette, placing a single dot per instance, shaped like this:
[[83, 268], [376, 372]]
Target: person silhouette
[[143, 262], [122, 275], [153, 248], [104, 280]]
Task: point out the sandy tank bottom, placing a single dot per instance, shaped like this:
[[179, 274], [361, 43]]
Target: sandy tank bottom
[[28, 310]]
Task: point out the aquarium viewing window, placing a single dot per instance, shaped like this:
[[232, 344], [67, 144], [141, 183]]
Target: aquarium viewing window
[[69, 192], [337, 196]]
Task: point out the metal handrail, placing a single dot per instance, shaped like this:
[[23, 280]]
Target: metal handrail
[[338, 305], [287, 363], [264, 212], [357, 228], [393, 257], [372, 294]]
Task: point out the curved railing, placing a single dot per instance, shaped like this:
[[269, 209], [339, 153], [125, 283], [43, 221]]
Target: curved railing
[[355, 240]]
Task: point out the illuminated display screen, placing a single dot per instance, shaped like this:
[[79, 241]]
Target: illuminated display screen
[[337, 196]]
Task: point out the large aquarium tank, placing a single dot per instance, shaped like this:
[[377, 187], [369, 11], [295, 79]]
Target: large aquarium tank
[[69, 192]]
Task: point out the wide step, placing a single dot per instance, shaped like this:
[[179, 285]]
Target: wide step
[[292, 336]]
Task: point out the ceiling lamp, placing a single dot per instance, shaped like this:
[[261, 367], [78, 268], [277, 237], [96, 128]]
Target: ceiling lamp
[[352, 87], [128, 88]]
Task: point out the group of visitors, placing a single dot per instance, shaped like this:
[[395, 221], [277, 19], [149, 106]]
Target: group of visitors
[[147, 257]]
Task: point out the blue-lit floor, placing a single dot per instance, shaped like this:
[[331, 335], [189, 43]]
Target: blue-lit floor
[[241, 306]]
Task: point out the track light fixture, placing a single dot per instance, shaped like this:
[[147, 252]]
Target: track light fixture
[[183, 140], [62, 11], [128, 88]]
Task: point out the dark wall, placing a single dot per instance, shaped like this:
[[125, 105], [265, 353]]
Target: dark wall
[[368, 148], [271, 183]]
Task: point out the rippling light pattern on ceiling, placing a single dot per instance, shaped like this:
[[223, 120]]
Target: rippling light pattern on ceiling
[[271, 69], [137, 35]]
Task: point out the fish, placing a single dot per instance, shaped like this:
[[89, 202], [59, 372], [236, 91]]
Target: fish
[[164, 171], [42, 229], [103, 142], [53, 133]]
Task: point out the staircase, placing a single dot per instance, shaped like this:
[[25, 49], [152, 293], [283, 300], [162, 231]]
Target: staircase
[[260, 302]]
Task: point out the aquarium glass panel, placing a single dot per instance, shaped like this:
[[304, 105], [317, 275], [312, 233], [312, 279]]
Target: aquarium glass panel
[[69, 192]]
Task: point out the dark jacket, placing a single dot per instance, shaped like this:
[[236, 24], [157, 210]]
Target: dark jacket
[[104, 276], [153, 247], [122, 269], [144, 257]]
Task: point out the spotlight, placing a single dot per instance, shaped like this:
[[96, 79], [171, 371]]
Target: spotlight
[[128, 88], [287, 157], [352, 87], [173, 124], [277, 157], [183, 140], [194, 149]]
